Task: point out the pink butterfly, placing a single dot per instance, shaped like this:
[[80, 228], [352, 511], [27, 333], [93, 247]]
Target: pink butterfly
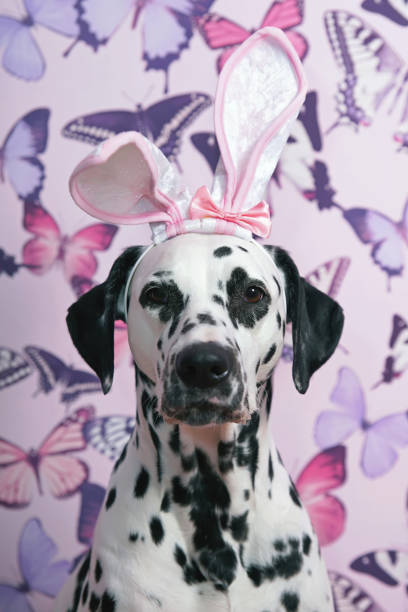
[[220, 32], [50, 463], [326, 471], [120, 335], [49, 246]]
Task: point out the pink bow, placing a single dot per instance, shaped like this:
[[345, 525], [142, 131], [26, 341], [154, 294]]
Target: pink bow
[[256, 219]]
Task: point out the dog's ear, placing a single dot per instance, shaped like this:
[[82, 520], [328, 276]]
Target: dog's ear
[[92, 317], [317, 321]]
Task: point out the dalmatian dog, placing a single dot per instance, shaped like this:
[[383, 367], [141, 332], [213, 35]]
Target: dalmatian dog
[[200, 513]]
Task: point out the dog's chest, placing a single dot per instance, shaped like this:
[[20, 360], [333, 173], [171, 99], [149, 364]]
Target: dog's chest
[[194, 541]]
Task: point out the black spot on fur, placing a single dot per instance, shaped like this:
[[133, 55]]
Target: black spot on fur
[[161, 273], [121, 458], [287, 565], [246, 494], [85, 593], [218, 300], [294, 543], [173, 307], [270, 467], [204, 317], [290, 601], [225, 456], [157, 444], [188, 462], [279, 545], [133, 536], [222, 251], [159, 344], [82, 573], [220, 285], [108, 603], [186, 328], [94, 602], [191, 571], [239, 310], [270, 353], [306, 544], [98, 571], [111, 498], [165, 504], [142, 482], [278, 320], [181, 494], [243, 249], [248, 447], [156, 530], [174, 440], [278, 285], [294, 495], [239, 527]]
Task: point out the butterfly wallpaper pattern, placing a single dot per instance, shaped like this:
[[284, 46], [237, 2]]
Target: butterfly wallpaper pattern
[[74, 72]]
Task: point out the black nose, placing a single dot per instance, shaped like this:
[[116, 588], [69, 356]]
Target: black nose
[[203, 365]]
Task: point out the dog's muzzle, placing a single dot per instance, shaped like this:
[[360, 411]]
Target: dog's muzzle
[[204, 385]]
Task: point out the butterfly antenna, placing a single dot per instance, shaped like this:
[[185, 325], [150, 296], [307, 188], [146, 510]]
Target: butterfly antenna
[[343, 348], [377, 384], [71, 46], [166, 82], [331, 128], [126, 95]]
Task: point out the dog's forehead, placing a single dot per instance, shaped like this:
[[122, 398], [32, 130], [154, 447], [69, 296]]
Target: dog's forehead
[[193, 258]]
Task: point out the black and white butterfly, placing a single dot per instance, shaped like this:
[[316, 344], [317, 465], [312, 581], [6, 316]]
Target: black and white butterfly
[[54, 372], [349, 596], [163, 122], [397, 361], [388, 566], [13, 367], [371, 72], [108, 435]]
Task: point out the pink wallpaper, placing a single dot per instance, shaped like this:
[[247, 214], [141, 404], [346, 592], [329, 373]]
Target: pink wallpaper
[[73, 72]]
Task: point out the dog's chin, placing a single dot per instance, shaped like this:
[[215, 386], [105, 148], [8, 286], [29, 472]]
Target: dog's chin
[[204, 413]]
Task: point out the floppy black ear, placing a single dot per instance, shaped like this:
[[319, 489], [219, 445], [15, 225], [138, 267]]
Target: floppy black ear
[[91, 319], [317, 322]]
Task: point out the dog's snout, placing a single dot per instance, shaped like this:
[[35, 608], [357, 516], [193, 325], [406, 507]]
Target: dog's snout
[[203, 364]]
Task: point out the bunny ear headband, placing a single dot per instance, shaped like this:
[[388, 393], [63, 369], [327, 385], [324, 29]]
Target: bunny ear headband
[[128, 180]]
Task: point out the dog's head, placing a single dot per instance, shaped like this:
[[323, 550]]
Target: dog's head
[[206, 323]]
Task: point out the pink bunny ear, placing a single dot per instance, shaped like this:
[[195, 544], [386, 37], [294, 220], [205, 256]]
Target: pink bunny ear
[[127, 180], [260, 91]]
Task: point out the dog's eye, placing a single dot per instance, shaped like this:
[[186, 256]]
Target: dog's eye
[[156, 295], [253, 294]]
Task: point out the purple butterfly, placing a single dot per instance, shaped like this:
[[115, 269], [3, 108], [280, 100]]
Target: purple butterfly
[[109, 434], [92, 496], [206, 143], [371, 71], [18, 155], [163, 122], [396, 10], [13, 367], [53, 371], [39, 573], [388, 238], [349, 596], [387, 566], [22, 56], [167, 26], [380, 438], [397, 362]]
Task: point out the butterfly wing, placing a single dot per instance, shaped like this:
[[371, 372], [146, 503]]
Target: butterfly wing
[[79, 259], [63, 474], [326, 471], [167, 119], [81, 284], [108, 435], [206, 144], [57, 15], [285, 14], [97, 127], [35, 553], [22, 57], [375, 228], [42, 251], [369, 67], [379, 454], [12, 599], [329, 276], [219, 32], [67, 436], [17, 479], [387, 566], [26, 139], [92, 496], [349, 596], [99, 19], [13, 367], [79, 382], [51, 369], [395, 10]]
